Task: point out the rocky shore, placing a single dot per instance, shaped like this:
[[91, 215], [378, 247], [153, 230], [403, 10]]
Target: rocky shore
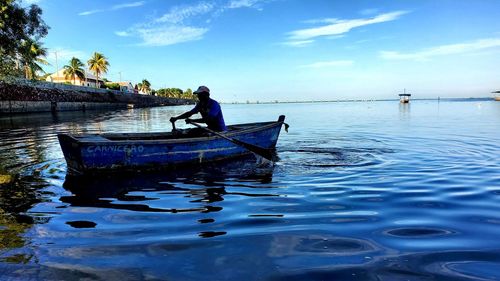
[[22, 96]]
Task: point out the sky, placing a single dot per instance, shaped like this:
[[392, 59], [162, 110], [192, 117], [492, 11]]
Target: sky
[[286, 50]]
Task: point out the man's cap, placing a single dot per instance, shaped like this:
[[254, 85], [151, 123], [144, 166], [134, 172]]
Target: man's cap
[[202, 89]]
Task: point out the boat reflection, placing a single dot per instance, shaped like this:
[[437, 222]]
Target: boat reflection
[[202, 185]]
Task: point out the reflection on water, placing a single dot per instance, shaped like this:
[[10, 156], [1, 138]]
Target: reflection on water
[[129, 191], [16, 197], [404, 110], [11, 233], [375, 191]]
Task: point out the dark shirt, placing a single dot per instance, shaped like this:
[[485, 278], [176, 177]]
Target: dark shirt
[[212, 114]]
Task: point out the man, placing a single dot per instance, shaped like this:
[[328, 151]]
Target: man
[[209, 109]]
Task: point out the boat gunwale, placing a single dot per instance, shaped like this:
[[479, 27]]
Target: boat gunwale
[[270, 124]]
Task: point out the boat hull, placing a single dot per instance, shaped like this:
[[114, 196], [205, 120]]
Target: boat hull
[[98, 153]]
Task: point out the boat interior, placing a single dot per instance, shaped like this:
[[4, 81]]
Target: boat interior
[[174, 134]]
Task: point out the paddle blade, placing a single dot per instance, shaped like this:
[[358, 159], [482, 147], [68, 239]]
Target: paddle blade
[[269, 154]]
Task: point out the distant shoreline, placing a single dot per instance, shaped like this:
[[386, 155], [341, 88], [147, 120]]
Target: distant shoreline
[[363, 100]]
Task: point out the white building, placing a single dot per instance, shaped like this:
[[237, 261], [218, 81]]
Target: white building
[[126, 87], [89, 81]]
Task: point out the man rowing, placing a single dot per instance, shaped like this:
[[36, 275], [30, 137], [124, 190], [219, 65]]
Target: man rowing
[[209, 109]]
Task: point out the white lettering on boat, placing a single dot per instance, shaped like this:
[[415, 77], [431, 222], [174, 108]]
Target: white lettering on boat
[[115, 148]]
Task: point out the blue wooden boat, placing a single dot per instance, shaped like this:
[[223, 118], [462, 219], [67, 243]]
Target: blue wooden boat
[[151, 151]]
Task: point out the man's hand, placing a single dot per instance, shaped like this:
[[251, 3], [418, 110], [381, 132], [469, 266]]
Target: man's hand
[[173, 119]]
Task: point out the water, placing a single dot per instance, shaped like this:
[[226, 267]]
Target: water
[[362, 191]]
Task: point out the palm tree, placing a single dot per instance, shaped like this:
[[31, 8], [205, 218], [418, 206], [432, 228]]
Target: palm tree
[[189, 94], [98, 64], [74, 69], [145, 86], [32, 55]]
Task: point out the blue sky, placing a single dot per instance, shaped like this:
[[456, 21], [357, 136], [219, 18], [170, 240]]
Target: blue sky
[[287, 50]]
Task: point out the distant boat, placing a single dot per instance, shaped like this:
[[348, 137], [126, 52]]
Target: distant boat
[[497, 96], [404, 97]]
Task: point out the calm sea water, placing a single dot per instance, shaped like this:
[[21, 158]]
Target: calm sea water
[[362, 191]]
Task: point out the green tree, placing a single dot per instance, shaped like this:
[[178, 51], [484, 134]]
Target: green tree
[[32, 55], [144, 86], [188, 94], [74, 69], [9, 67], [170, 92], [112, 86], [176, 93], [18, 25], [98, 64], [160, 93]]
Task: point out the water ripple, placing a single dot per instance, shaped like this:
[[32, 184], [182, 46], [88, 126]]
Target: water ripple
[[381, 193]]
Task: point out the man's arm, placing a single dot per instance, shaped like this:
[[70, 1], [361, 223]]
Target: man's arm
[[185, 114], [200, 120], [182, 116]]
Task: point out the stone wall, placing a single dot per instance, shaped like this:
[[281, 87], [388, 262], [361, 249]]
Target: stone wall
[[7, 107], [23, 96]]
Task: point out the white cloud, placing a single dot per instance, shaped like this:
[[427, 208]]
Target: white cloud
[[176, 26], [339, 27], [332, 37], [238, 4], [87, 13], [29, 2], [180, 13], [443, 50], [318, 21], [298, 43], [169, 35], [234, 4], [122, 33], [171, 28], [114, 8], [334, 63], [128, 5]]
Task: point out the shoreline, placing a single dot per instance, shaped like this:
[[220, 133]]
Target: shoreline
[[23, 96], [364, 100]]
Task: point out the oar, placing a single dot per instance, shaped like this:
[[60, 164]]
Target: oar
[[173, 126], [264, 152]]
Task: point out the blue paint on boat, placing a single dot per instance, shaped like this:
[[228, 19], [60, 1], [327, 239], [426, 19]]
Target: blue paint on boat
[[143, 151]]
